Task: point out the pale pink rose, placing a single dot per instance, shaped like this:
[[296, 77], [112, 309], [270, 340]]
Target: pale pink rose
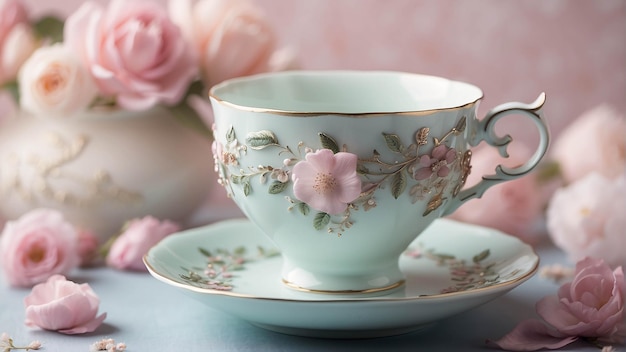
[[587, 218], [595, 142], [63, 306], [12, 14], [327, 182], [134, 52], [232, 37], [36, 246], [128, 250], [513, 207], [590, 306], [53, 82]]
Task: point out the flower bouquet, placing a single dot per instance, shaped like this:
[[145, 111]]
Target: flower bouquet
[[105, 99]]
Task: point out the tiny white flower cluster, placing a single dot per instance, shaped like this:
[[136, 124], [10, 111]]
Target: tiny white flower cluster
[[6, 343], [108, 345]]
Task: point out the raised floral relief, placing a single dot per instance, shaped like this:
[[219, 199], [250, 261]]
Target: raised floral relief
[[333, 182], [52, 180]]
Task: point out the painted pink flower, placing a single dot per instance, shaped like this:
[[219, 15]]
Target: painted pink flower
[[595, 142], [133, 51], [128, 250], [513, 207], [232, 37], [327, 182], [590, 306], [586, 218], [13, 25], [63, 306], [36, 246], [435, 164]]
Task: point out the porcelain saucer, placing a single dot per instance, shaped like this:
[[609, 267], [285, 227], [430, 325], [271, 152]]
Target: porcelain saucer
[[450, 268]]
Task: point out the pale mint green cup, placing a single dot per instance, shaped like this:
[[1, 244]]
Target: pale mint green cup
[[344, 169]]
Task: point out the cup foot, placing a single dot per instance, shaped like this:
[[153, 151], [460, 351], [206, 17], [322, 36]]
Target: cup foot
[[344, 292]]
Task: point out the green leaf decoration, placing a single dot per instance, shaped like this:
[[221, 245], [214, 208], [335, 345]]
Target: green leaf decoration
[[460, 125], [236, 179], [328, 143], [481, 256], [49, 27], [230, 134], [398, 184], [277, 187], [362, 169], [246, 188], [304, 209], [261, 139], [321, 220], [205, 252], [393, 142]]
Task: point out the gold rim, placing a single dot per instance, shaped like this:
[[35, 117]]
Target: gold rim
[[282, 112], [342, 292], [495, 287]]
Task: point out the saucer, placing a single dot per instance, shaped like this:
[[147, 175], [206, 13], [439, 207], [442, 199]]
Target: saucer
[[450, 268]]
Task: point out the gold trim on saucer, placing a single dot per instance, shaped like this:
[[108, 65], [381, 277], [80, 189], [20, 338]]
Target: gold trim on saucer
[[343, 292]]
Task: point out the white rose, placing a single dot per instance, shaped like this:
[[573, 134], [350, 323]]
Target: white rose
[[19, 44], [53, 82]]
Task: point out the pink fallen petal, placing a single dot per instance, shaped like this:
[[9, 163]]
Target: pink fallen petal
[[532, 335], [86, 327]]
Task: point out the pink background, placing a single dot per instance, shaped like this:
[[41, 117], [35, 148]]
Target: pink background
[[575, 51]]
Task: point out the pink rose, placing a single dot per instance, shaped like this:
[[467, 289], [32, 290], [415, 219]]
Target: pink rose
[[513, 206], [128, 250], [595, 142], [327, 182], [587, 218], [63, 306], [590, 306], [36, 246], [232, 37], [134, 52], [13, 21]]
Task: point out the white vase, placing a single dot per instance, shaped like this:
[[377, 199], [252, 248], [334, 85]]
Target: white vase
[[104, 168]]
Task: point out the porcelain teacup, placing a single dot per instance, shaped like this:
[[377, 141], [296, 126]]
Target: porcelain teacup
[[343, 169]]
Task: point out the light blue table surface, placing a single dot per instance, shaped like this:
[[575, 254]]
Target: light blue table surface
[[149, 315]]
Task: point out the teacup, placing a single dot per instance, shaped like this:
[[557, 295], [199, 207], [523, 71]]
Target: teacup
[[344, 169]]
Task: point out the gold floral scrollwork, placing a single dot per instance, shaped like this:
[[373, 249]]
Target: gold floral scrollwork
[[35, 177]]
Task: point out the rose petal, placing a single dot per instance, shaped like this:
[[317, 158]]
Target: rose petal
[[87, 327], [532, 335]]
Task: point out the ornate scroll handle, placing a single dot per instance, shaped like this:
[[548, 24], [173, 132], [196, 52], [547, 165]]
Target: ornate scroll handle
[[485, 131]]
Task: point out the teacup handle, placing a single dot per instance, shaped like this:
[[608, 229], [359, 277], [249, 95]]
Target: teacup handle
[[485, 131]]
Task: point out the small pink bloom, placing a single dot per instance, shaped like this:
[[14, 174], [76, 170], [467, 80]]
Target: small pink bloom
[[36, 246], [436, 163], [587, 218], [513, 206], [232, 37], [592, 305], [595, 142], [63, 306], [134, 52], [128, 250], [326, 181]]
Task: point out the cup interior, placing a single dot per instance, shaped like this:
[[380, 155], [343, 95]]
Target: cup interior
[[344, 92]]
